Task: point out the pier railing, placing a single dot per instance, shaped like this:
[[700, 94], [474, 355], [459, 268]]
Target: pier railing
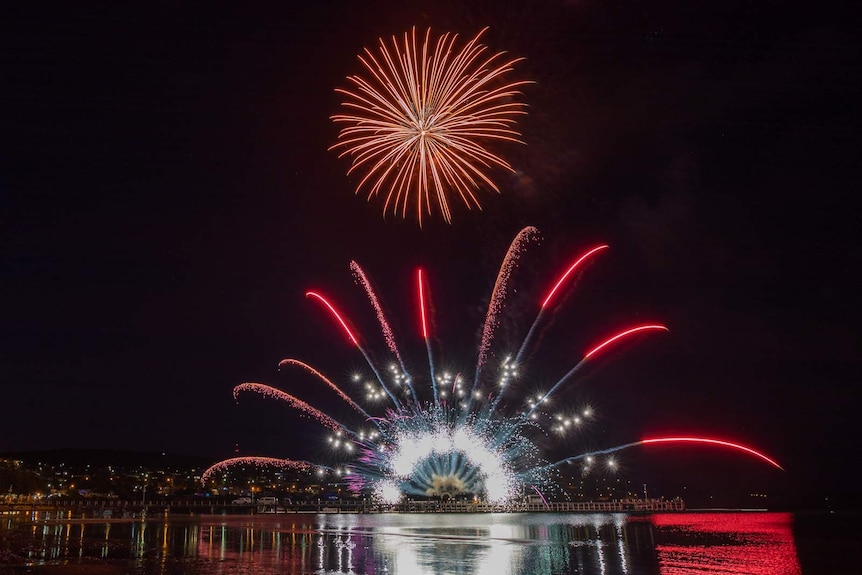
[[116, 508]]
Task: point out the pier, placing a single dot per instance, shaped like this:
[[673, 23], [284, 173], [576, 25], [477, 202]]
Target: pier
[[116, 508]]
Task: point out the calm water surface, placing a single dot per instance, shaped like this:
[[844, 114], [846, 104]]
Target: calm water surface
[[432, 544]]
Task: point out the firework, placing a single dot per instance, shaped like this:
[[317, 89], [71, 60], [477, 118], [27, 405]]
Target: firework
[[571, 270], [419, 124], [324, 379], [259, 462], [498, 295], [363, 280], [672, 440], [477, 440], [353, 340], [296, 403]]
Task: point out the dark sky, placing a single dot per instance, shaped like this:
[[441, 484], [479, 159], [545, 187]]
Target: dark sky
[[166, 198]]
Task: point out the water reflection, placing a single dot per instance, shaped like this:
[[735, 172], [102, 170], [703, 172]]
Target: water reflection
[[762, 544], [419, 544]]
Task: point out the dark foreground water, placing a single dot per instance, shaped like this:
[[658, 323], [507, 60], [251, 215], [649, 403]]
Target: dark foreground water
[[434, 544]]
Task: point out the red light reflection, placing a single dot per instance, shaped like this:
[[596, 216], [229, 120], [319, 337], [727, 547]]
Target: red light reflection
[[751, 544]]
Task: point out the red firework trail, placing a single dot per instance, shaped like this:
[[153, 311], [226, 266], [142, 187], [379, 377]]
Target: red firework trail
[[424, 319], [570, 271], [622, 335], [355, 342], [422, 304], [335, 314], [295, 402], [324, 379], [668, 440], [545, 501], [550, 295], [709, 441], [575, 369]]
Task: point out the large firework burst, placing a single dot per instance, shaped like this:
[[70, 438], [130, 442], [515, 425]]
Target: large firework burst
[[419, 123], [452, 436]]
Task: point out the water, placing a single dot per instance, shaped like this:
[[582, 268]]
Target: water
[[752, 543]]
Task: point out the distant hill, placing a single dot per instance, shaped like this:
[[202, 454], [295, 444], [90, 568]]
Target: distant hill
[[104, 457]]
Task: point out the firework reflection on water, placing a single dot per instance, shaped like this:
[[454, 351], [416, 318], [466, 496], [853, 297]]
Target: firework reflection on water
[[423, 544]]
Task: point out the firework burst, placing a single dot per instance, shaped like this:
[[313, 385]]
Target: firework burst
[[444, 437], [419, 124]]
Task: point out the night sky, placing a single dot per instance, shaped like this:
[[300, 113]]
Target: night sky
[[167, 197]]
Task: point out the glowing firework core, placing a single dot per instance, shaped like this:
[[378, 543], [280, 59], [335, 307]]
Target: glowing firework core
[[484, 469]]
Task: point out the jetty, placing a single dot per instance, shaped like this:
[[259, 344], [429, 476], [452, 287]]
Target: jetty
[[116, 508]]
